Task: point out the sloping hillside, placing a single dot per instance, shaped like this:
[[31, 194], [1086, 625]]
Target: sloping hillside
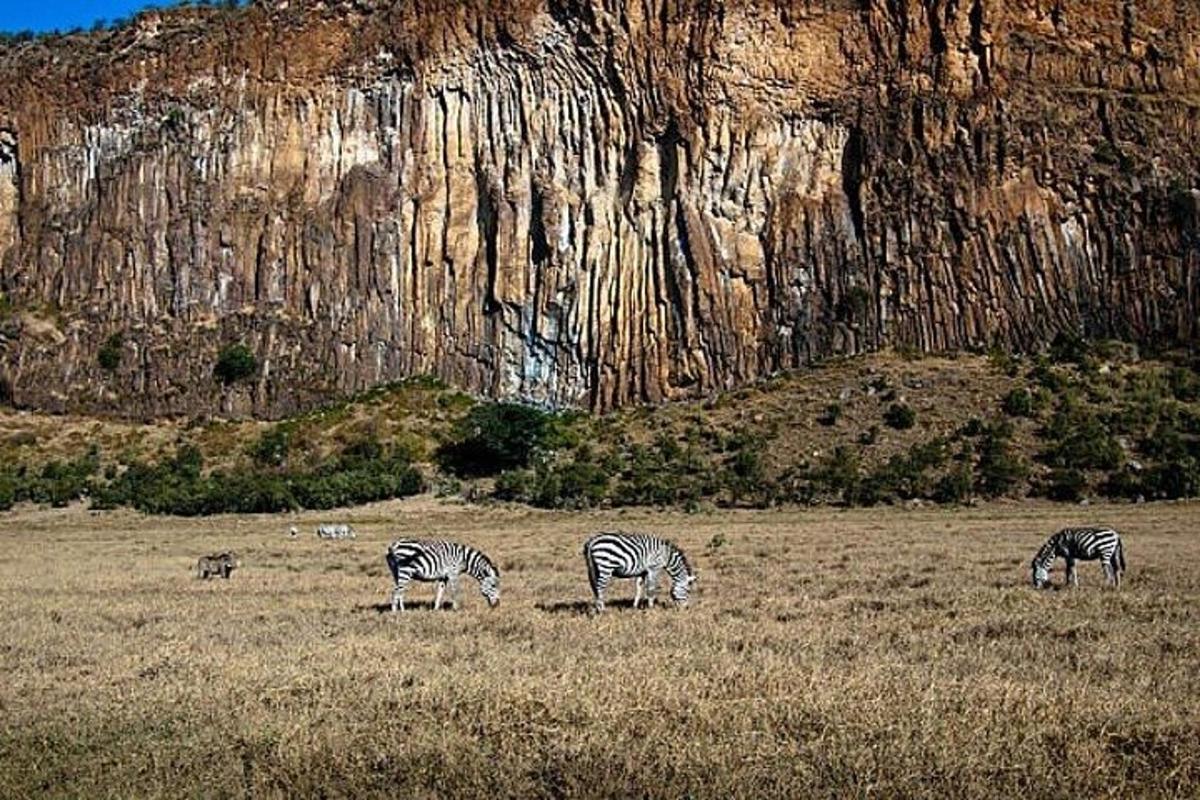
[[1082, 421]]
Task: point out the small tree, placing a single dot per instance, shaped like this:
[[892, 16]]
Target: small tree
[[492, 438], [110, 352], [999, 468], [1018, 403], [955, 485], [900, 416], [235, 363]]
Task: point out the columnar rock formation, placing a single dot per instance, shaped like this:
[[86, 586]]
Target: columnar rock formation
[[585, 202]]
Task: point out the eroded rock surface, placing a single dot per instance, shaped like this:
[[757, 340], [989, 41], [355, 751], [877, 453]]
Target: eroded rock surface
[[585, 202]]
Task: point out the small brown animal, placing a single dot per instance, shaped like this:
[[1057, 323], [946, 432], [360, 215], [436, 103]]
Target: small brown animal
[[219, 564]]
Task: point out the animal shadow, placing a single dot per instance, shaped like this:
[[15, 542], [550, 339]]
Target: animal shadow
[[583, 607], [409, 605]]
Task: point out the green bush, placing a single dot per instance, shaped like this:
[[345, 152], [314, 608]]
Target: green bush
[[664, 474], [1078, 439], [178, 486], [1045, 375], [841, 475], [999, 469], [271, 448], [514, 485], [1185, 384], [1174, 480], [1066, 485], [1171, 480], [493, 438], [900, 416], [1018, 403], [1068, 348], [8, 491], [745, 474], [110, 352], [235, 363], [833, 412], [955, 486], [1123, 483], [1165, 442], [575, 484], [57, 483], [905, 477], [1003, 361]]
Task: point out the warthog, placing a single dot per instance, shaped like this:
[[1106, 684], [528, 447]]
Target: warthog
[[219, 564]]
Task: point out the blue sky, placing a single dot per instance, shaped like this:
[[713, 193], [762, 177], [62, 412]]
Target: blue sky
[[46, 15]]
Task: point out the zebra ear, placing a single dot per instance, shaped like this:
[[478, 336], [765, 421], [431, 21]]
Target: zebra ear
[[693, 578]]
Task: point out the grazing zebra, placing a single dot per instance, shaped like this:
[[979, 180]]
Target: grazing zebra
[[443, 562], [340, 531], [639, 556], [1080, 544], [219, 564]]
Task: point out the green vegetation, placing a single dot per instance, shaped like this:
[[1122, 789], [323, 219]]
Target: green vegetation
[[900, 417], [364, 473], [235, 363], [1078, 439], [1018, 403], [495, 437], [110, 352], [1082, 421]]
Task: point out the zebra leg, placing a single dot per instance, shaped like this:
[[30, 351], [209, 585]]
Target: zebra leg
[[454, 593], [651, 587], [637, 590], [437, 601], [598, 587], [398, 593], [1109, 573], [1072, 573]]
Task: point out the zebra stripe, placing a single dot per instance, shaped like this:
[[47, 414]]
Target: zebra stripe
[[639, 556], [441, 561], [1080, 544]]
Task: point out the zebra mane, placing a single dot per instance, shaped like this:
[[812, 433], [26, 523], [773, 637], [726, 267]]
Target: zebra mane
[[1045, 554], [687, 566], [480, 558]]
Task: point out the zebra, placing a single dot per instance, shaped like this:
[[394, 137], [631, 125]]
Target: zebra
[[340, 531], [1080, 544], [640, 556], [218, 564], [443, 562]]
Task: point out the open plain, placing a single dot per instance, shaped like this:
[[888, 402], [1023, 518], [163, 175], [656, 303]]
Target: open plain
[[881, 652]]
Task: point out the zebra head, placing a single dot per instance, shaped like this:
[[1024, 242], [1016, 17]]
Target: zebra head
[[681, 587], [1039, 574], [490, 588]]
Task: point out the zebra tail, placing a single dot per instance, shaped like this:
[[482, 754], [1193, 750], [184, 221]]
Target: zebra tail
[[1121, 554]]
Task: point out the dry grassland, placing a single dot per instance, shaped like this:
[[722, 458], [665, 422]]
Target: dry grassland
[[874, 652]]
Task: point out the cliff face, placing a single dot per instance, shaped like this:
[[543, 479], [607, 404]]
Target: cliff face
[[586, 202]]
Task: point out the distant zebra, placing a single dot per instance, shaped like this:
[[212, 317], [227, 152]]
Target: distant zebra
[[1080, 544], [639, 556], [340, 531], [443, 562]]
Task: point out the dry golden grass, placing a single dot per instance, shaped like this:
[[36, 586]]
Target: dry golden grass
[[882, 652]]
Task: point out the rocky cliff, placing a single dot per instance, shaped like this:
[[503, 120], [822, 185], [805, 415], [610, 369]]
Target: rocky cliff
[[585, 202]]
